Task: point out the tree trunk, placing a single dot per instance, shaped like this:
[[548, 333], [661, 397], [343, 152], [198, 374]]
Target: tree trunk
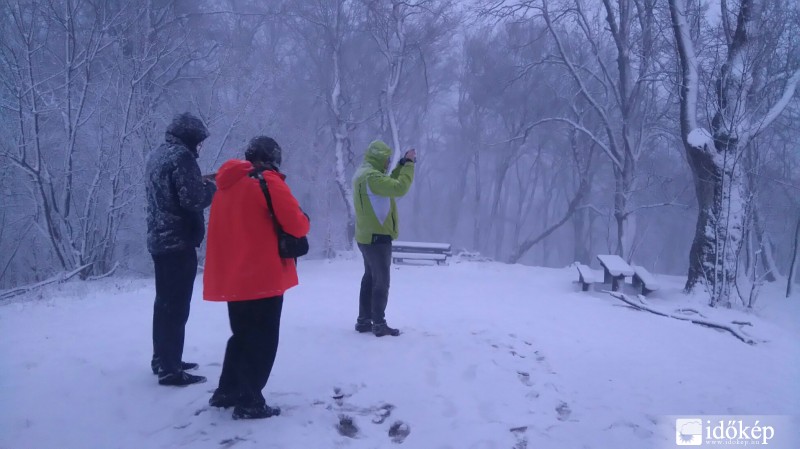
[[340, 135], [721, 195], [476, 229], [764, 245], [794, 265], [582, 228], [625, 225]]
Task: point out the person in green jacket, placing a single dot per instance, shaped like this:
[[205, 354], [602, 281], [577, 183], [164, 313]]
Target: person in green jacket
[[374, 195]]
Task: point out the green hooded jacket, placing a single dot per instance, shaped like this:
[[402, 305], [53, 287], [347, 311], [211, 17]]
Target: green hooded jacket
[[374, 193]]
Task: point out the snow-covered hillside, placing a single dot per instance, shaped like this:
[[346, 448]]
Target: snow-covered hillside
[[492, 356]]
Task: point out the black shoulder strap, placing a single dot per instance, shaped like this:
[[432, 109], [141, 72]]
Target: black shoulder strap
[[263, 183]]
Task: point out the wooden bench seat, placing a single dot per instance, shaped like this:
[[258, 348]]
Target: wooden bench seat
[[644, 281], [586, 277], [403, 252]]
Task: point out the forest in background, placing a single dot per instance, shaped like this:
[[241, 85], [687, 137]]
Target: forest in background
[[548, 131]]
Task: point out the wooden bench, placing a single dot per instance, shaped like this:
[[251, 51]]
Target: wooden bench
[[402, 252], [643, 280], [586, 277], [614, 270]]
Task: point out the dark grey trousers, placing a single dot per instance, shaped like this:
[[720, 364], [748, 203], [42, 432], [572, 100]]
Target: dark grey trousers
[[374, 294], [175, 274]]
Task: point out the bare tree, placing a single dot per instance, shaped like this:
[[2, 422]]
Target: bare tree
[[795, 257], [333, 24], [402, 31], [739, 113], [615, 71], [80, 88]]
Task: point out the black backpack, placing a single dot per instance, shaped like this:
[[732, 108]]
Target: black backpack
[[289, 246]]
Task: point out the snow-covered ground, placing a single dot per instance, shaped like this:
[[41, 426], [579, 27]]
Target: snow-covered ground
[[492, 356]]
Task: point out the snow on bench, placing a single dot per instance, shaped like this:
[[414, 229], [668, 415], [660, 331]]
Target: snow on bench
[[405, 251], [586, 276], [421, 246], [643, 280], [423, 256], [615, 269]]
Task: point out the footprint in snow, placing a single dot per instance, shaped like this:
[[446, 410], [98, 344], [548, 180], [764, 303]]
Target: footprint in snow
[[228, 442], [346, 426], [382, 413], [563, 411], [399, 432], [522, 439]]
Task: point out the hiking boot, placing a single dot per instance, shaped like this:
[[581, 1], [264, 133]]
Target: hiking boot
[[255, 412], [381, 329], [223, 400], [363, 326], [185, 366], [179, 379]]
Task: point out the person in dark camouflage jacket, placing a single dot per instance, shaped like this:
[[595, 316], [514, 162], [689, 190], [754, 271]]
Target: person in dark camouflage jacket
[[177, 194]]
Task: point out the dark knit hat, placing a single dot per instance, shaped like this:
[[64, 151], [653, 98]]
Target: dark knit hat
[[265, 150]]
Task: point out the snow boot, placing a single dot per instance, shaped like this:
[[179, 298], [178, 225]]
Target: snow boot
[[363, 326], [179, 379], [185, 366], [381, 329], [255, 412], [223, 400]]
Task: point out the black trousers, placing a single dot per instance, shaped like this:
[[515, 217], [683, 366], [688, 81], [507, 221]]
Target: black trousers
[[175, 274], [251, 350], [374, 294]]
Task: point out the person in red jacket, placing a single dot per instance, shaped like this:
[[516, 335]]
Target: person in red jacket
[[243, 268]]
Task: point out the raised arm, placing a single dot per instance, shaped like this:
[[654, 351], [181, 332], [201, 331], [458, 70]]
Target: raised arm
[[395, 185]]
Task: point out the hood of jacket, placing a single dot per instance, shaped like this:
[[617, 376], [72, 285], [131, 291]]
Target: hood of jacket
[[377, 155], [235, 170]]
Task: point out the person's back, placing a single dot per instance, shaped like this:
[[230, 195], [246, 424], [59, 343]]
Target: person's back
[[245, 270], [242, 259], [377, 224], [176, 197]]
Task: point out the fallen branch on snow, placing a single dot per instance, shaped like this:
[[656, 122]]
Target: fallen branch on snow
[[104, 275], [640, 305], [61, 277], [688, 311]]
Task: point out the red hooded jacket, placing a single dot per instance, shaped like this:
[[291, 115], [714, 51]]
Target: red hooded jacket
[[242, 260]]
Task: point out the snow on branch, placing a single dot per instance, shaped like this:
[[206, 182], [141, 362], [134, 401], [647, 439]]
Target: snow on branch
[[640, 305], [776, 110], [701, 139]]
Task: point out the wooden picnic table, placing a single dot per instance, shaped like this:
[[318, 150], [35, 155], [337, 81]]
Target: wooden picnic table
[[615, 269]]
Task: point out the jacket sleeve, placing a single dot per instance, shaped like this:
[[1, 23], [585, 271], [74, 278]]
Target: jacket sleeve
[[395, 185], [194, 194], [287, 210]]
